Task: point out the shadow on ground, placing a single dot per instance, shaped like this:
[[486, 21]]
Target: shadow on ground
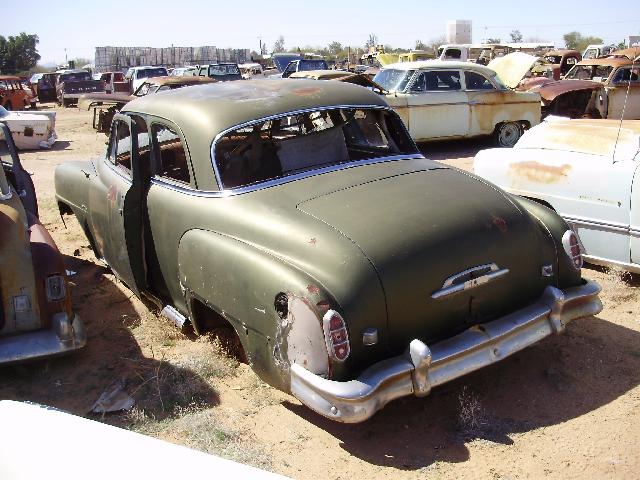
[[547, 384], [75, 382], [447, 149]]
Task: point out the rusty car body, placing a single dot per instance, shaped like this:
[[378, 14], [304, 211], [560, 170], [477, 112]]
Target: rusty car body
[[105, 106], [467, 100], [620, 78], [559, 62], [301, 217], [586, 170], [14, 95], [36, 316], [221, 72]]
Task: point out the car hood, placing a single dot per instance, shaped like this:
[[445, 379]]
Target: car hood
[[550, 90], [512, 68], [419, 229]]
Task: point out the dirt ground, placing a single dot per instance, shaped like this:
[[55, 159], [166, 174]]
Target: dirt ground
[[565, 408]]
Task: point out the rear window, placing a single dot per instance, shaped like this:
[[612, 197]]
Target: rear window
[[277, 148]]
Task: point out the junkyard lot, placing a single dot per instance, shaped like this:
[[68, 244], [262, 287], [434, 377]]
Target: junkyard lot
[[568, 407]]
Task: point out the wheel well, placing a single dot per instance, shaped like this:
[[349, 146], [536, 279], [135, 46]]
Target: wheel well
[[206, 320]]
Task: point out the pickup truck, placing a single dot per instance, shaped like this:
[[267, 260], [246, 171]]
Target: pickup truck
[[73, 83]]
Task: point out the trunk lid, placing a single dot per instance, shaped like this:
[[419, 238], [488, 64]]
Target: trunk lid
[[420, 229]]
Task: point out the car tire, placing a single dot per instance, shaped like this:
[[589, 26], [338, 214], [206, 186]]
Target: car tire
[[507, 134]]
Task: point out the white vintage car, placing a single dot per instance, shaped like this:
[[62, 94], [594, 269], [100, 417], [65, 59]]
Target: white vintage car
[[586, 170], [446, 100], [30, 129]]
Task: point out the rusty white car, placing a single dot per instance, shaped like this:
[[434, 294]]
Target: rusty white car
[[586, 170], [446, 100]]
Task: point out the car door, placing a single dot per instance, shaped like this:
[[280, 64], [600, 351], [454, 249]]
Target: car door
[[485, 101], [438, 106], [623, 93], [635, 214], [116, 202]]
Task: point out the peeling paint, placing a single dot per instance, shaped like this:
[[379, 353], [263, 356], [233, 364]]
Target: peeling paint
[[539, 173], [313, 289]]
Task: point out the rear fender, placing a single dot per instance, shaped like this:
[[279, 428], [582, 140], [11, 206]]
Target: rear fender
[[275, 308]]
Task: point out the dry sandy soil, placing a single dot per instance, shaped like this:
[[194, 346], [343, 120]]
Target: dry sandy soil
[[565, 408]]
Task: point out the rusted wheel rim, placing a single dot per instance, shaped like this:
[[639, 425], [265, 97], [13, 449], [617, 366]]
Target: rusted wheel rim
[[508, 134]]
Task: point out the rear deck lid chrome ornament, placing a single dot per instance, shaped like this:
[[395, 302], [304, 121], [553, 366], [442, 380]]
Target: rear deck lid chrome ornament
[[468, 279]]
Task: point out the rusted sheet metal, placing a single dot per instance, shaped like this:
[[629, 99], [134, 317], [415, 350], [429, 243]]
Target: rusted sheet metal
[[550, 90], [631, 53], [539, 172]]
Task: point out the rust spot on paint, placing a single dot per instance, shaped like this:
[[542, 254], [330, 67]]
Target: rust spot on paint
[[306, 91], [323, 305], [539, 173], [312, 241], [501, 224], [313, 289]]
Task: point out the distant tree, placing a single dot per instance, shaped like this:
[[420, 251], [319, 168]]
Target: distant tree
[[435, 42], [421, 46], [372, 41], [335, 48], [575, 41], [494, 40], [622, 45], [18, 53], [278, 46], [516, 36]]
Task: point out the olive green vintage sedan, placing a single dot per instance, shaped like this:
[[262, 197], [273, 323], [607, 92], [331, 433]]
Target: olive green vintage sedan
[[301, 216]]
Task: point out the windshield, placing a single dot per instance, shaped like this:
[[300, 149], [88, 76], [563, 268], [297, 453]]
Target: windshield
[[224, 69], [589, 72], [393, 80], [555, 59], [75, 77], [293, 143], [151, 72], [307, 65]]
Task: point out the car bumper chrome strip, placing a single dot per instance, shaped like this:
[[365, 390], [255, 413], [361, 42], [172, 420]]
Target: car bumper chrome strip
[[423, 367], [64, 336]]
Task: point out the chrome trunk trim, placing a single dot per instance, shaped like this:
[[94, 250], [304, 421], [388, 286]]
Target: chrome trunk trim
[[457, 283]]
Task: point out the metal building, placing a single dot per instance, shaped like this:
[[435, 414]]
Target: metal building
[[459, 31]]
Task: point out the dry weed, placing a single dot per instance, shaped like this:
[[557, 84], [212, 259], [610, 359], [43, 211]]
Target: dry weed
[[471, 415], [621, 290]]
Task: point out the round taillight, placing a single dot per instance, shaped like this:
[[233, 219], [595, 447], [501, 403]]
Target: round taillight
[[571, 245]]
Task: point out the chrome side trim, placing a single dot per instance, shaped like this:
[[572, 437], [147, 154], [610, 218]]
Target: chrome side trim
[[423, 367], [606, 262], [454, 283], [283, 180], [599, 224]]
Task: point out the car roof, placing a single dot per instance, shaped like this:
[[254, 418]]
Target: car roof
[[561, 51], [607, 61], [440, 64], [168, 80]]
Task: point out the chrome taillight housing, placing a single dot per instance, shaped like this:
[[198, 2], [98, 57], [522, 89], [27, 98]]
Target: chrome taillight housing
[[571, 245], [336, 336]]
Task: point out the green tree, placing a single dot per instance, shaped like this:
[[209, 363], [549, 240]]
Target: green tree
[[575, 41], [18, 53], [421, 46], [278, 46], [516, 36], [372, 41], [335, 48]]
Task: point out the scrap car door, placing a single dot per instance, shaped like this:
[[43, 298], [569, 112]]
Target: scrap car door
[[17, 175], [116, 201], [486, 103], [438, 107]]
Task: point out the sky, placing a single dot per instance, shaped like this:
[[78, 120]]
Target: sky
[[75, 28]]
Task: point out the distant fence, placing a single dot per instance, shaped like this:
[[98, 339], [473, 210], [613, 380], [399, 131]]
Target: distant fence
[[121, 58]]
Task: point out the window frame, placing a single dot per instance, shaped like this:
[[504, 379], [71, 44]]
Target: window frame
[[156, 158], [488, 79]]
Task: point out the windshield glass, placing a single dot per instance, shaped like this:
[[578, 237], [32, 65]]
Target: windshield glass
[[151, 72], [224, 69], [75, 77], [306, 65], [555, 59], [293, 143], [393, 80], [589, 72]]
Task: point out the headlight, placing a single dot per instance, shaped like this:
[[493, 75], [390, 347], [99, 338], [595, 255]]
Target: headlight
[[55, 288], [571, 246]]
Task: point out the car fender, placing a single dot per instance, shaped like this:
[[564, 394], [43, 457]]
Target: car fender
[[275, 308]]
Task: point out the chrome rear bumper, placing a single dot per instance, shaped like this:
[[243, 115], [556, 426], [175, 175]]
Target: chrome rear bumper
[[423, 367], [64, 336]]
